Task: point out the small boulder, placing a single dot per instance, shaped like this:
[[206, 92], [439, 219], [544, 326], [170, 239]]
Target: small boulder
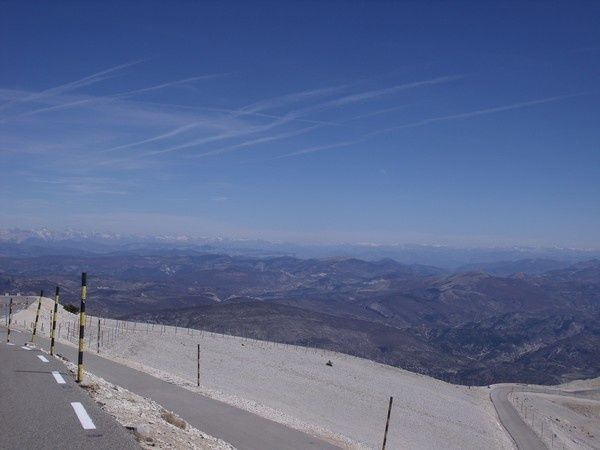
[[173, 419], [143, 431]]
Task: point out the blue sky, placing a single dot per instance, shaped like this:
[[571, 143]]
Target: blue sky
[[470, 123]]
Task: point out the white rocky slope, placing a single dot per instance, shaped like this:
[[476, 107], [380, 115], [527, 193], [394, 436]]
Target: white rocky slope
[[564, 417], [346, 402]]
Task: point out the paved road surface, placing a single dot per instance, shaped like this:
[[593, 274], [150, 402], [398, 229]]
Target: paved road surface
[[524, 437], [244, 430], [36, 411]]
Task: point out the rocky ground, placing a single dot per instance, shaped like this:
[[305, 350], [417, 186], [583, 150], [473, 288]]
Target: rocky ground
[[566, 419], [153, 426]]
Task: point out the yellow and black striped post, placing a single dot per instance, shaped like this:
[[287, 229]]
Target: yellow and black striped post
[[81, 327], [37, 317], [9, 320], [387, 423], [53, 329]]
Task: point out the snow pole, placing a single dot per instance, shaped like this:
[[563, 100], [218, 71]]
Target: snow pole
[[198, 364], [9, 320], [37, 317], [81, 327], [53, 329], [387, 423], [98, 348]]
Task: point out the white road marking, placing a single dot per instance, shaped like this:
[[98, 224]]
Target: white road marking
[[9, 343], [58, 377], [82, 415], [42, 358], [25, 348]]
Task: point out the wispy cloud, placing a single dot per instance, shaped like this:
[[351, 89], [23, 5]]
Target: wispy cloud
[[480, 112], [257, 141], [160, 137], [377, 93], [171, 84], [68, 103], [81, 185], [375, 113], [373, 94], [294, 97], [317, 148], [241, 131], [298, 97], [72, 85], [190, 129]]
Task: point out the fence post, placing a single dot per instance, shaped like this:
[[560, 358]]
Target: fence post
[[387, 423], [9, 320], [81, 327], [53, 330], [37, 317]]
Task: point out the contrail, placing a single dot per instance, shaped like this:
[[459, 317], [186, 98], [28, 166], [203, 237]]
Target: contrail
[[259, 141], [479, 112], [170, 83], [317, 148], [159, 137], [109, 98], [372, 94], [292, 98], [72, 85]]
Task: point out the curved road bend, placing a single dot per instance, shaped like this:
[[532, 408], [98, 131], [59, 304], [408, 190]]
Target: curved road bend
[[522, 434], [242, 429]]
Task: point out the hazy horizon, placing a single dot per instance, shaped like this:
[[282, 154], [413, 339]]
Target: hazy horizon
[[23, 234]]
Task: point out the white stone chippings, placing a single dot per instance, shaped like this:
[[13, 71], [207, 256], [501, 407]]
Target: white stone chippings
[[145, 418], [345, 403]]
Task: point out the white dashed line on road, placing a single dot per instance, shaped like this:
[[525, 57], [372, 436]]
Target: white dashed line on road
[[42, 358], [82, 415], [9, 343], [25, 348], [58, 377]]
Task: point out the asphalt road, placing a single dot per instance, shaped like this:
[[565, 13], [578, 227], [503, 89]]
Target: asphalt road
[[244, 430], [36, 411], [524, 437]]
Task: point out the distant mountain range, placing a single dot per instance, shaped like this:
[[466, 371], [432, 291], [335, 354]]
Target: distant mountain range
[[531, 320], [497, 260]]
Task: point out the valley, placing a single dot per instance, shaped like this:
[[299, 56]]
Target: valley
[[472, 328]]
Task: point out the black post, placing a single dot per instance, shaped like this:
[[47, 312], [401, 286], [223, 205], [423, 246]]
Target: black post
[[198, 364], [81, 327], [9, 320], [387, 423]]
